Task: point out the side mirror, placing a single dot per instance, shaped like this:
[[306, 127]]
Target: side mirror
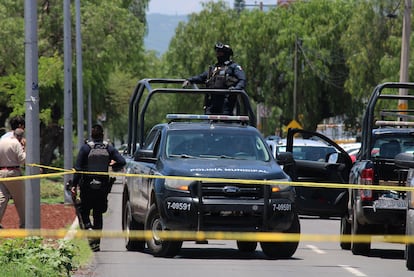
[[144, 155], [287, 162], [285, 158]]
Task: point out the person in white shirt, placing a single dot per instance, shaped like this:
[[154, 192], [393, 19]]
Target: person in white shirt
[[12, 156]]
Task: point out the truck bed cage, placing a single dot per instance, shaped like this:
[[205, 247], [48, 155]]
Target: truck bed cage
[[188, 117], [369, 120], [137, 108], [393, 123], [397, 113], [401, 118]]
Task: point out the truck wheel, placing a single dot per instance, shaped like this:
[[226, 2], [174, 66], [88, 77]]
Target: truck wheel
[[157, 246], [345, 231], [247, 246], [283, 250], [130, 224], [359, 248], [409, 256]]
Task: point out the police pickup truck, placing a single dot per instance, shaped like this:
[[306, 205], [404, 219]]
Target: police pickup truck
[[381, 207], [187, 171]]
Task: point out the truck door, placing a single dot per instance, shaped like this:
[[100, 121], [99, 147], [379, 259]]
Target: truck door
[[147, 156], [318, 159]]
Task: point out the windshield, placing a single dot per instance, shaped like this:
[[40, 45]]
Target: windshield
[[213, 144]]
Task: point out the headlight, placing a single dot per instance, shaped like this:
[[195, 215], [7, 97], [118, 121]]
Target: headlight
[[178, 184], [279, 186]]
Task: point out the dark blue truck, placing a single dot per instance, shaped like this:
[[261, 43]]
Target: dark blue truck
[[387, 147], [205, 151]]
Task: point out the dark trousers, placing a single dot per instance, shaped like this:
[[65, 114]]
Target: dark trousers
[[95, 200]]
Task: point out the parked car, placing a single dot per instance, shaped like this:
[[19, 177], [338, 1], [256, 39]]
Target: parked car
[[352, 149], [305, 149]]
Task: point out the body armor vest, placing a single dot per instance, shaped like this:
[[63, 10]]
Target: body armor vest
[[217, 77]]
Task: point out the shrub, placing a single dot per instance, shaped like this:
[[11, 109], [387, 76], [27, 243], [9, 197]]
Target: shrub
[[35, 256]]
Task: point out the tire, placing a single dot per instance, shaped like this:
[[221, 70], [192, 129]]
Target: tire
[[130, 224], [283, 250], [359, 248], [409, 256], [247, 246], [345, 231], [157, 246]]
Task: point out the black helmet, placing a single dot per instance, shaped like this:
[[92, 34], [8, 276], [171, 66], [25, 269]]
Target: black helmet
[[224, 47]]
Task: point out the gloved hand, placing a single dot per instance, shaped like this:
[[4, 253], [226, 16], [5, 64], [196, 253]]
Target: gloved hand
[[232, 88], [186, 83]]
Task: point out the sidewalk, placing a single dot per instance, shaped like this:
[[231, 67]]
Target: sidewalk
[[102, 260]]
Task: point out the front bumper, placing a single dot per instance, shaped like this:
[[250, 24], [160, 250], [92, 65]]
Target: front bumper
[[189, 213]]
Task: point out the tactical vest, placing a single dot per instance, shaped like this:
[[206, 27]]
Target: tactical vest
[[98, 161], [219, 77]]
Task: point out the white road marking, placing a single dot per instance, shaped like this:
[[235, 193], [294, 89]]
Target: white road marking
[[315, 249], [352, 270]]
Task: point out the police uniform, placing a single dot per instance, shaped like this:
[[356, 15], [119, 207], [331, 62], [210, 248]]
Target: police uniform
[[94, 198], [223, 75]]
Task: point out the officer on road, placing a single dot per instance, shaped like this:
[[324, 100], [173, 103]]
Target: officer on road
[[95, 156]]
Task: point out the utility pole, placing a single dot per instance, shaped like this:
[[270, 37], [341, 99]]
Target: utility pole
[[67, 65], [79, 77], [32, 186], [295, 78], [405, 53]]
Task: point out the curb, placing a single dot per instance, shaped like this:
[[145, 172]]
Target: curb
[[72, 230]]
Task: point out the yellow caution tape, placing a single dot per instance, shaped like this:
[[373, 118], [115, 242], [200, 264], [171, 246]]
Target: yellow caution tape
[[205, 179], [200, 235]]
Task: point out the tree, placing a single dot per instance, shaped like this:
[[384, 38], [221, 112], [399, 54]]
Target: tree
[[263, 44], [112, 38]]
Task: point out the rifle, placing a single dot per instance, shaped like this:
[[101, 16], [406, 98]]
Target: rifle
[[76, 203]]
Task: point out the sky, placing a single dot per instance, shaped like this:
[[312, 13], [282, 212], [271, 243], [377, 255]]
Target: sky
[[182, 7]]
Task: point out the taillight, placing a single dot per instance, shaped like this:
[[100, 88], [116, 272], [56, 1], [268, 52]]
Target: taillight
[[367, 177]]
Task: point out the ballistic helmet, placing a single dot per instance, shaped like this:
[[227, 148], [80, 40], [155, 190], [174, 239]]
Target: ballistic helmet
[[224, 48]]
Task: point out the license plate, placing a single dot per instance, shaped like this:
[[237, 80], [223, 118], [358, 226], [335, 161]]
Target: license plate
[[284, 207], [398, 204]]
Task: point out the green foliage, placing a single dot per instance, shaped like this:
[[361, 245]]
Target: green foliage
[[343, 49], [51, 190], [12, 37], [34, 256], [112, 36], [367, 50], [267, 54]]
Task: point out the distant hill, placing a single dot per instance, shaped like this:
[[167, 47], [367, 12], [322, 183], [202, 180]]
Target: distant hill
[[161, 28]]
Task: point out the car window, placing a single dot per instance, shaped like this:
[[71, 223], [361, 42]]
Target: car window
[[310, 153], [150, 141]]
